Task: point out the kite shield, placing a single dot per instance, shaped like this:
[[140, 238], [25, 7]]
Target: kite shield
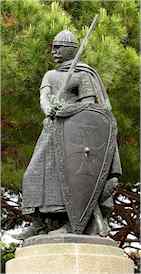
[[89, 144]]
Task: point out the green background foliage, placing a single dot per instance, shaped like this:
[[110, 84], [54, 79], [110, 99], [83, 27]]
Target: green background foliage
[[7, 253], [28, 28]]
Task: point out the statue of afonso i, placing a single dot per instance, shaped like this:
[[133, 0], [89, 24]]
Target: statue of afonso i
[[68, 184]]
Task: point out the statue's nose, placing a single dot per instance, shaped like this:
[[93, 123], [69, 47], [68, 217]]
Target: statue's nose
[[53, 51]]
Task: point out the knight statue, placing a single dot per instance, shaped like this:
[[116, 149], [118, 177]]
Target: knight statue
[[68, 184]]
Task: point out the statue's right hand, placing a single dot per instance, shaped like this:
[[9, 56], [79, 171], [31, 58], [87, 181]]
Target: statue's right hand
[[52, 113]]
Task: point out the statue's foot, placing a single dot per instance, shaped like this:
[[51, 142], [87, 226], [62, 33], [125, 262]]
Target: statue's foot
[[61, 230], [106, 229], [31, 231], [103, 233]]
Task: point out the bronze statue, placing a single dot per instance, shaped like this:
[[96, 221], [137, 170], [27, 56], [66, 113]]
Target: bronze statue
[[68, 184]]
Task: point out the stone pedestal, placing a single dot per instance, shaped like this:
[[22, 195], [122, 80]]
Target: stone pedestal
[[69, 254]]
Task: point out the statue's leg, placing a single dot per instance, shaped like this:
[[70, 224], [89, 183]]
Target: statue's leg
[[97, 224], [103, 228]]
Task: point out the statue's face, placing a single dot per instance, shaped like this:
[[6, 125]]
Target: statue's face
[[62, 53], [57, 53]]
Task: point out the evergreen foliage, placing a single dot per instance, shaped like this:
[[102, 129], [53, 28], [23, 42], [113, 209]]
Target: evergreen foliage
[[28, 28], [7, 253]]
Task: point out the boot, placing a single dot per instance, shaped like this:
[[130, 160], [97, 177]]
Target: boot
[[37, 227], [97, 224], [65, 229]]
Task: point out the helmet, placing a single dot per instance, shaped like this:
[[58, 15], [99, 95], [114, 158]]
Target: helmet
[[65, 38]]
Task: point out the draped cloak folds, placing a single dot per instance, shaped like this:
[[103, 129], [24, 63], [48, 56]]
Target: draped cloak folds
[[44, 176]]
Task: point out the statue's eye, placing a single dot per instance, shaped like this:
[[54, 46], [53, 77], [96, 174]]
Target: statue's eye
[[56, 47]]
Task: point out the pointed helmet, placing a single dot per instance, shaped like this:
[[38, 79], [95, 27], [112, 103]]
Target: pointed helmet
[[65, 38]]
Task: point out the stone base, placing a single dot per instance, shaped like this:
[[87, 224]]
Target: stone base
[[49, 255]]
